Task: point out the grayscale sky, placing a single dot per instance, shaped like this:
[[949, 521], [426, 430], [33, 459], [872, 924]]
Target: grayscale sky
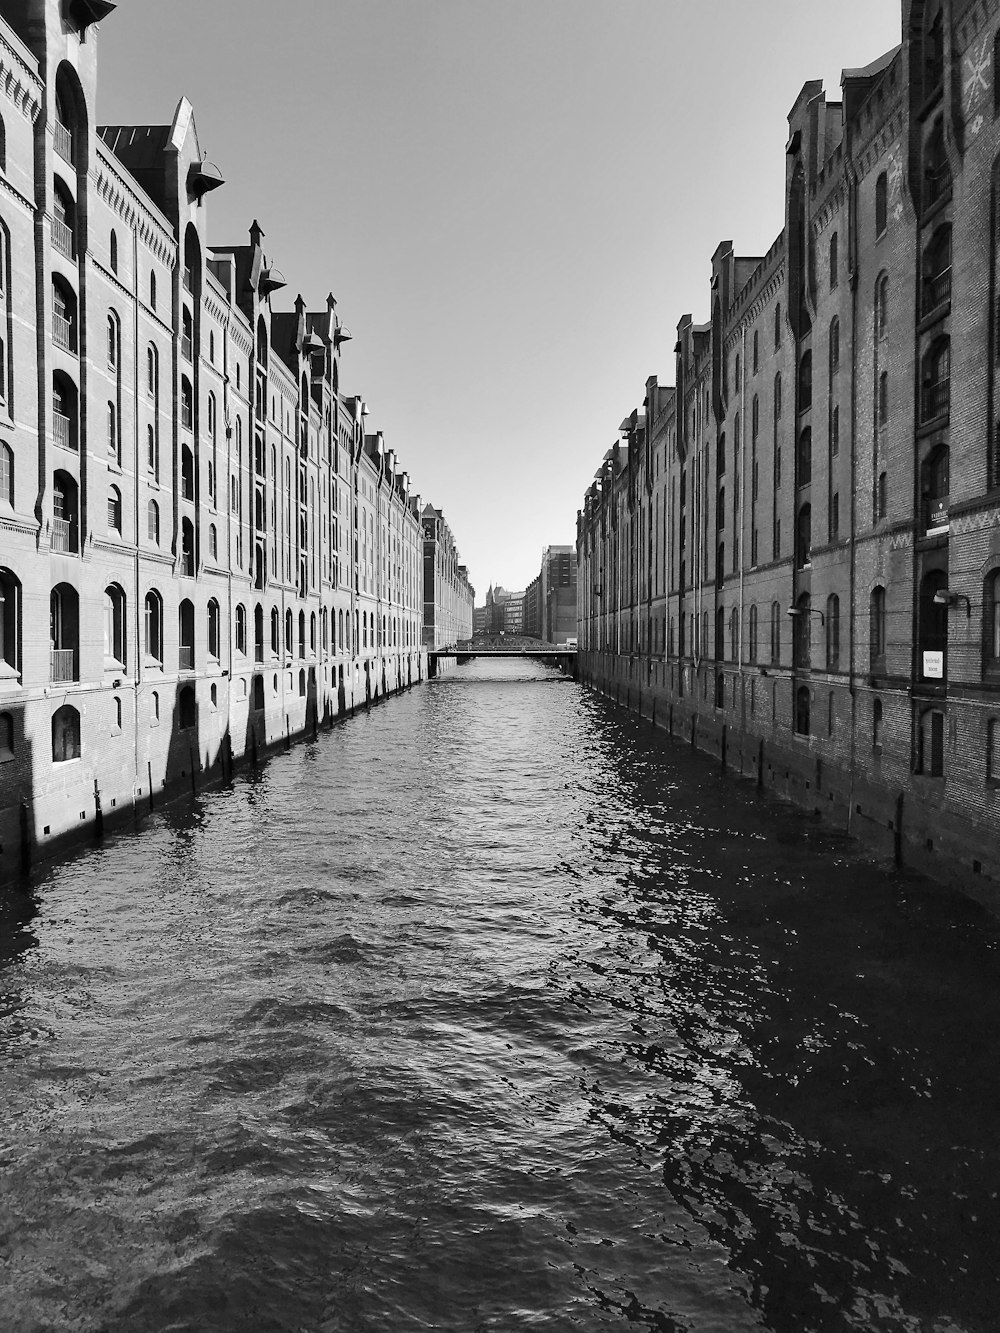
[[514, 201]]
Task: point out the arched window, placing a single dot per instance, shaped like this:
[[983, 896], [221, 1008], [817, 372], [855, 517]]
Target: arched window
[[187, 473], [991, 622], [877, 630], [834, 257], [302, 634], [63, 314], [114, 626], [289, 633], [802, 632], [834, 346], [734, 634], [241, 629], [937, 171], [187, 709], [720, 634], [881, 203], [804, 457], [258, 633], [187, 548], [114, 341], [113, 250], [65, 513], [934, 482], [153, 612], [756, 355], [63, 221], [340, 629], [152, 372], [10, 625], [213, 541], [115, 510], [936, 270], [882, 307], [753, 634], [777, 326], [720, 690], [187, 404], [153, 522], [932, 629], [312, 633], [802, 705], [930, 750], [152, 289], [185, 635], [877, 712], [3, 147], [64, 633], [6, 476], [881, 495], [805, 381], [65, 734], [214, 629], [187, 334], [833, 632], [64, 416], [275, 631], [720, 455], [936, 380]]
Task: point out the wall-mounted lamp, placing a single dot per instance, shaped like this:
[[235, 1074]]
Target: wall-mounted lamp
[[116, 684], [945, 597], [226, 672], [807, 610]]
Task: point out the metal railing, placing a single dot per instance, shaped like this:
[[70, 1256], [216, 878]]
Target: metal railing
[[63, 139], [62, 535], [62, 665], [62, 238], [62, 331], [62, 430]]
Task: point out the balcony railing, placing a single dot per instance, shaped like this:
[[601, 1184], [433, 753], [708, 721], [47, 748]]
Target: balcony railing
[[937, 290], [62, 238], [62, 331], [63, 538], [187, 280], [187, 415], [186, 347], [62, 430], [185, 657], [62, 665], [63, 139]]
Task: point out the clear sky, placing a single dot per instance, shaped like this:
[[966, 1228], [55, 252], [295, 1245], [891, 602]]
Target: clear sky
[[514, 201]]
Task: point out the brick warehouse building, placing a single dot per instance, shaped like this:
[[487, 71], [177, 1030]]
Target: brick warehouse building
[[222, 554], [792, 556], [448, 594]]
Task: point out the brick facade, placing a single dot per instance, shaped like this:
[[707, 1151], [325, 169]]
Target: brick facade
[[793, 554], [202, 550]]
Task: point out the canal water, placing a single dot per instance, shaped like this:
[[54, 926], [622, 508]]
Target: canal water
[[490, 1010]]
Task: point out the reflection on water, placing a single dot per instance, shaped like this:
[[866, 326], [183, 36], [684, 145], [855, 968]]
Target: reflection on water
[[490, 1011]]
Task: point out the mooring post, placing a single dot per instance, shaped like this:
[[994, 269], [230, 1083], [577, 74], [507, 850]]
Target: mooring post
[[25, 837]]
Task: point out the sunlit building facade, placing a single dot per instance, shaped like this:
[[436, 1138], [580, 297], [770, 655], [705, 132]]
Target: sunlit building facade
[[203, 550]]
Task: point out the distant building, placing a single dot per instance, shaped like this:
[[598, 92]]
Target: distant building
[[479, 620], [513, 620], [448, 594], [557, 594], [533, 608]]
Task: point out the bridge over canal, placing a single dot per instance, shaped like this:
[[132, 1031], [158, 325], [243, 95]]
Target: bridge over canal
[[553, 654]]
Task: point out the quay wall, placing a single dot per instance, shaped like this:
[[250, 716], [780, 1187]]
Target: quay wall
[[127, 772], [893, 817]]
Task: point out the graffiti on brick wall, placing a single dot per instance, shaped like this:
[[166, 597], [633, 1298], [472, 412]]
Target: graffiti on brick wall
[[976, 69]]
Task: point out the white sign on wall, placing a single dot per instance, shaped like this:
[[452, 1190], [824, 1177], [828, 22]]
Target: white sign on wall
[[934, 666]]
